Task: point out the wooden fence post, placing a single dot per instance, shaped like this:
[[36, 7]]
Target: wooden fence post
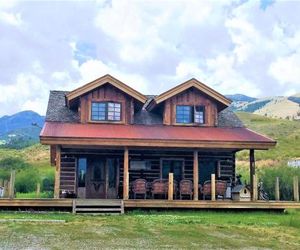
[[277, 192], [6, 189], [254, 191], [213, 187], [171, 187], [12, 184], [38, 190], [296, 188]]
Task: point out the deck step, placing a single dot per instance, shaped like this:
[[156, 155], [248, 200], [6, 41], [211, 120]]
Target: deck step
[[98, 210], [98, 206]]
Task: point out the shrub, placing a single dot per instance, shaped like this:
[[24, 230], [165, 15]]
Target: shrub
[[285, 174], [26, 180], [13, 163]]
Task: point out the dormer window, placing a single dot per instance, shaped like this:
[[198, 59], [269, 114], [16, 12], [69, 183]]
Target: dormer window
[[186, 114], [106, 111]]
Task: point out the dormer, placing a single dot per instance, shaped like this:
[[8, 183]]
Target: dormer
[[191, 103], [105, 100]]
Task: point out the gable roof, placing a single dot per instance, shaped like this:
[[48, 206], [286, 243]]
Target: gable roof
[[186, 85], [57, 111], [101, 81]]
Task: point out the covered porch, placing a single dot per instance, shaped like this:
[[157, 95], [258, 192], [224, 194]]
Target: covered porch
[[148, 173]]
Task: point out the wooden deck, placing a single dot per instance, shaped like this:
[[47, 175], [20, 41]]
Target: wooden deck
[[155, 204], [227, 204], [36, 203]]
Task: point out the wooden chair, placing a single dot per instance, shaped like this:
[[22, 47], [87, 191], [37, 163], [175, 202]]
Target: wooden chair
[[221, 187], [186, 188], [139, 186], [159, 187]]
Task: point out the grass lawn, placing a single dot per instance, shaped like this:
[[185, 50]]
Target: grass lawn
[[174, 230]]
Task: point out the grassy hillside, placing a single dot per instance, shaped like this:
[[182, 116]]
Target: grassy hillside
[[272, 163], [285, 132], [32, 166]]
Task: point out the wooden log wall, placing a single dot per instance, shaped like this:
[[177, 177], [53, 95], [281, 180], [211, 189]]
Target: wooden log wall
[[68, 173], [69, 159], [193, 97]]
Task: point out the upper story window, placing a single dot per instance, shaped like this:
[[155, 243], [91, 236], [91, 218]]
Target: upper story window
[[190, 114], [106, 111]]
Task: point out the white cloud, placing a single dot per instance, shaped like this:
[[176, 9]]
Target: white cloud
[[286, 70], [233, 46], [93, 69], [11, 18], [29, 92]]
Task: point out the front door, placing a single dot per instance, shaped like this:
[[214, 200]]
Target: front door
[[102, 178]]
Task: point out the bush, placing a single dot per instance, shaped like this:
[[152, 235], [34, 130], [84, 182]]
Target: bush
[[13, 163], [285, 174], [26, 180]]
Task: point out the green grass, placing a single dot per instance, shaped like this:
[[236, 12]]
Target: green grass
[[34, 195], [285, 132], [174, 230]]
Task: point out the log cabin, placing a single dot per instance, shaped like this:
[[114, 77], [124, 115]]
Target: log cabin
[[108, 141]]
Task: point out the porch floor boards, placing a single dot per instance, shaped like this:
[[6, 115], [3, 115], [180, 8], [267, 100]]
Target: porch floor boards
[[207, 204], [191, 204]]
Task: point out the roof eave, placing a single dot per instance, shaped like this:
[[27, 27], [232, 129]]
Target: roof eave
[[101, 81], [186, 85], [48, 140]]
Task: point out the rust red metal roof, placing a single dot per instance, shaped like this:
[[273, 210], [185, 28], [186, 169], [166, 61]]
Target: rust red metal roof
[[56, 130]]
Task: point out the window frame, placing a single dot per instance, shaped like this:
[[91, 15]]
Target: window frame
[[106, 111], [203, 111], [192, 113], [172, 159]]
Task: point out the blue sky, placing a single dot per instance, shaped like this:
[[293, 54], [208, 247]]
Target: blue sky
[[249, 47]]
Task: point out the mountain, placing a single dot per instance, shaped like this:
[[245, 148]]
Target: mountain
[[274, 107], [241, 98], [21, 129]]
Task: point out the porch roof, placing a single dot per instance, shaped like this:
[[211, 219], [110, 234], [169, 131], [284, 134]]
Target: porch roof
[[152, 136]]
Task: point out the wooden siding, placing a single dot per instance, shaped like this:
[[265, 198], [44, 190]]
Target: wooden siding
[[107, 93], [193, 97]]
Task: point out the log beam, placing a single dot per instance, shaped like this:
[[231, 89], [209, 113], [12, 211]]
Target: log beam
[[196, 175], [126, 175], [252, 170], [57, 172]]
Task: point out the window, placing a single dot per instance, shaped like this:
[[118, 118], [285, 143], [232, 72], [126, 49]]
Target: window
[[184, 114], [106, 111], [199, 114], [190, 114], [172, 166], [81, 172]]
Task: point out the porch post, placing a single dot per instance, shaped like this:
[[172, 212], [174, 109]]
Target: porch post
[[196, 175], [252, 170], [57, 172], [126, 175]]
